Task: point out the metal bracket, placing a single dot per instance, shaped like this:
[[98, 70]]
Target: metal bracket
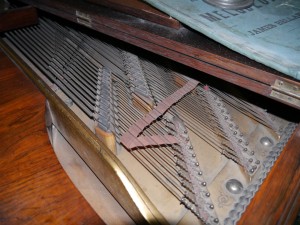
[[84, 19], [286, 92]]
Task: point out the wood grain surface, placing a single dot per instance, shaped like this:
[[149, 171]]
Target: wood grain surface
[[34, 189], [141, 10], [17, 18]]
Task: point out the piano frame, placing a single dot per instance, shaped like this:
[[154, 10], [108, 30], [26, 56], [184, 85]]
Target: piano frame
[[278, 199]]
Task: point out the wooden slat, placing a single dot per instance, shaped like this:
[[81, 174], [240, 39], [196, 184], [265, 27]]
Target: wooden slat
[[34, 189], [17, 18], [141, 10]]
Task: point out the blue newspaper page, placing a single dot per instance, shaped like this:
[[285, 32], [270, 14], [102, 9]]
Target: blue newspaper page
[[268, 31]]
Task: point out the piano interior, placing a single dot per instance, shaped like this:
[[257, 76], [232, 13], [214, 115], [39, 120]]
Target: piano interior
[[194, 149]]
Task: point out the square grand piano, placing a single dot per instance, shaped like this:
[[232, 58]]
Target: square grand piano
[[167, 125]]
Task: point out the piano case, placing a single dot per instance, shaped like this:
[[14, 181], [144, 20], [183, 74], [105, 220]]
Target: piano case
[[163, 143]]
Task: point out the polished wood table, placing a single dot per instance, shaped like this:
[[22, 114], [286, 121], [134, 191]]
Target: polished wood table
[[34, 189]]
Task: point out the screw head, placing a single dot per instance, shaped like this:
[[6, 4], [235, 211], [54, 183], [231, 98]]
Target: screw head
[[266, 141], [234, 186]]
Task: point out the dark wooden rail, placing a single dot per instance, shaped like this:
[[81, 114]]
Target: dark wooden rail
[[139, 9], [17, 18]]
